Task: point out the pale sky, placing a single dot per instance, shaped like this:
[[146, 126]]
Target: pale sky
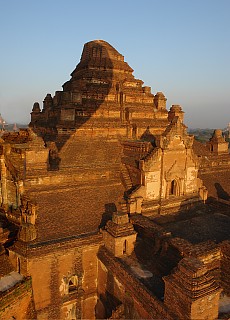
[[179, 47]]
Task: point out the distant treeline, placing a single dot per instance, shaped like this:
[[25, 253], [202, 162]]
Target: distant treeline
[[203, 135]]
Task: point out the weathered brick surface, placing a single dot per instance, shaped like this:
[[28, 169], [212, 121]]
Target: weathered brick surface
[[17, 302], [148, 305], [103, 138], [225, 266], [74, 210], [192, 290]]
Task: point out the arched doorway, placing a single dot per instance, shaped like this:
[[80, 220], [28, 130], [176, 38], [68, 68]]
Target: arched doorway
[[174, 188]]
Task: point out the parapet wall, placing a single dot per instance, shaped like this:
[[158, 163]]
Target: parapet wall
[[133, 294], [17, 302]]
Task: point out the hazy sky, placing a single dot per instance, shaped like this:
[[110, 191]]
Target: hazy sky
[[181, 48]]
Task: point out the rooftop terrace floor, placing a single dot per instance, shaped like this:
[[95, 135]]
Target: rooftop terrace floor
[[199, 224]]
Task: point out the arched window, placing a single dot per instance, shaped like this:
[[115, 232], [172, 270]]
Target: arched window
[[73, 282], [125, 247]]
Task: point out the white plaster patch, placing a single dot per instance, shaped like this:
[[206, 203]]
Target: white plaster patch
[[63, 287], [71, 312], [118, 284], [10, 280], [103, 267], [152, 190], [191, 173], [141, 272]]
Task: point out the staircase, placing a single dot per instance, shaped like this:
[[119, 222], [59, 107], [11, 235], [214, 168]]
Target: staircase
[[125, 177]]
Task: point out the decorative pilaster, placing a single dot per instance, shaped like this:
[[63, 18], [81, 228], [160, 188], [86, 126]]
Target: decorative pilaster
[[4, 200]]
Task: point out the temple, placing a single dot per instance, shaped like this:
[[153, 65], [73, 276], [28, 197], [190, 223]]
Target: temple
[[109, 208]]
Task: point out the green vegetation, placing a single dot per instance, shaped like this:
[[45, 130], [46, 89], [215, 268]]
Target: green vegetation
[[201, 135]]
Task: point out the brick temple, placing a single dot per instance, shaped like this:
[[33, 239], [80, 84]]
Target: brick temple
[[109, 208]]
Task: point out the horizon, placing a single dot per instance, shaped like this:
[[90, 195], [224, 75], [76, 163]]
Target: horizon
[[188, 128], [179, 48]]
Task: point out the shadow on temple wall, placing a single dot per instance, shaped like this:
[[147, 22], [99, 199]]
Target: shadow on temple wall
[[110, 208], [151, 256], [148, 136], [82, 96], [107, 302], [198, 222], [54, 159], [10, 230], [221, 193]]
